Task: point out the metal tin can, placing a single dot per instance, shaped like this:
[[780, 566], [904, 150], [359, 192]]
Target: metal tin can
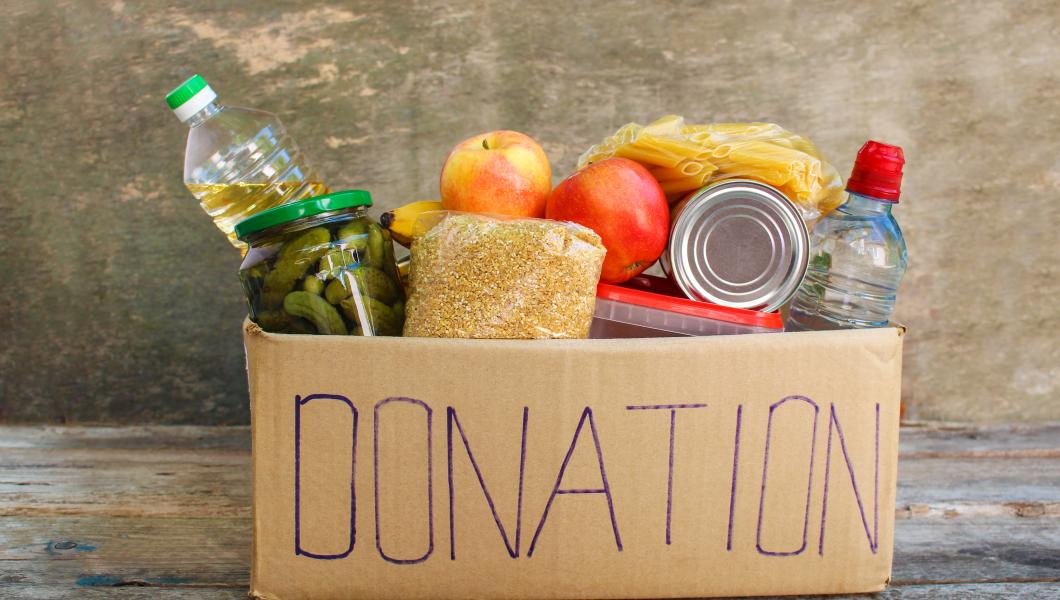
[[737, 243]]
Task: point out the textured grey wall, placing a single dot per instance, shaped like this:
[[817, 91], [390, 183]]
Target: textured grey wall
[[120, 302]]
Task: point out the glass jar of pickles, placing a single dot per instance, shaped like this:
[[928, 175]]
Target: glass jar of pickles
[[320, 266]]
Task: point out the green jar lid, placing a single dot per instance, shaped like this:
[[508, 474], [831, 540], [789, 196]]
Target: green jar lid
[[285, 213]]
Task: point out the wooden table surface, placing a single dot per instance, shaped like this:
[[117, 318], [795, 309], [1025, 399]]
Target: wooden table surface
[[164, 512]]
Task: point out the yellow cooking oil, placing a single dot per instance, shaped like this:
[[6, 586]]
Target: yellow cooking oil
[[230, 203]]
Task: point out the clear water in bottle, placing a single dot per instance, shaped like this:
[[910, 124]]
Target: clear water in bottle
[[238, 161], [857, 253]]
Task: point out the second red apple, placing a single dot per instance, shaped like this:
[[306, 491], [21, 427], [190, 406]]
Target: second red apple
[[624, 204]]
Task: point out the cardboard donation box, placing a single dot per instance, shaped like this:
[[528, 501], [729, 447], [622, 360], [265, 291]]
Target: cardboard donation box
[[633, 468]]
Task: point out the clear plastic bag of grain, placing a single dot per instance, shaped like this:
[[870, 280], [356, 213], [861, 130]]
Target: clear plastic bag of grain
[[476, 276]]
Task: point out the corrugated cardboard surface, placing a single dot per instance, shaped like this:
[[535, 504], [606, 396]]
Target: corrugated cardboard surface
[[684, 467]]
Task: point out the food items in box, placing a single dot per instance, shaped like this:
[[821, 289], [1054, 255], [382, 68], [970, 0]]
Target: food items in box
[[401, 221], [238, 161], [621, 201], [737, 243], [475, 276], [500, 172], [685, 157], [624, 311], [858, 252], [321, 266]]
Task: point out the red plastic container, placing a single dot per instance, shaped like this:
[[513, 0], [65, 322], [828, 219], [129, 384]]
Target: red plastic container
[[631, 311]]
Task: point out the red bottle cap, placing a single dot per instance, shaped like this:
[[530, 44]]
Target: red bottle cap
[[877, 171]]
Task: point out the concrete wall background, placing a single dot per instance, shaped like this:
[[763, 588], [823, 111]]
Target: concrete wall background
[[119, 299]]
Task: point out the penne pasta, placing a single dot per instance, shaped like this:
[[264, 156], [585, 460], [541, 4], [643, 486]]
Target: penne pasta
[[678, 147], [685, 156], [705, 176], [686, 184], [649, 155], [685, 169], [721, 151]]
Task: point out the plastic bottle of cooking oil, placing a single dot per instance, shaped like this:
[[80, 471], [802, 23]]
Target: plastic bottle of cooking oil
[[238, 161]]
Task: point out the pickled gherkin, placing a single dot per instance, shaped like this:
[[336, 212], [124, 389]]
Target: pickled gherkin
[[335, 261], [316, 310], [367, 281], [336, 291], [371, 314], [355, 235], [375, 283], [291, 264], [313, 285]]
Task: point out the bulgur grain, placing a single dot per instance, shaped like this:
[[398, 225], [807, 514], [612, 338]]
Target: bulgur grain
[[477, 277]]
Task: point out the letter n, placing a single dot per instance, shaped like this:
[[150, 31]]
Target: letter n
[[873, 537], [452, 420]]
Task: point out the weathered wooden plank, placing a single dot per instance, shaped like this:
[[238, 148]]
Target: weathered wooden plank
[[969, 591], [92, 551], [138, 437], [963, 591], [972, 550], [60, 592], [951, 441], [125, 482], [999, 480]]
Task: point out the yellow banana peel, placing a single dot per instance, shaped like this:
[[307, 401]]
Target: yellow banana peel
[[401, 221]]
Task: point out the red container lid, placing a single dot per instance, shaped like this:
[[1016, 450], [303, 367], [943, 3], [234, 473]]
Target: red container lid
[[877, 171], [654, 284], [684, 306]]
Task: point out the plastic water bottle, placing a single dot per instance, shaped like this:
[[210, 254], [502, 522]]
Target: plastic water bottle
[[238, 161], [857, 253]]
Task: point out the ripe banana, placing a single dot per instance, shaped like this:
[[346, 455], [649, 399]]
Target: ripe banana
[[400, 221]]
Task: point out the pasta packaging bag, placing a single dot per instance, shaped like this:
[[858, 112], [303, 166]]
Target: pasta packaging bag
[[479, 276], [685, 157]]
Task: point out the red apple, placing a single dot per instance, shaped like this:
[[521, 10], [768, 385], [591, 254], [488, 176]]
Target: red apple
[[501, 172], [624, 204]]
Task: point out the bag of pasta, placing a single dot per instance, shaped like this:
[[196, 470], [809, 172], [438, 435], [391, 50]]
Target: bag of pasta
[[685, 157], [476, 276]]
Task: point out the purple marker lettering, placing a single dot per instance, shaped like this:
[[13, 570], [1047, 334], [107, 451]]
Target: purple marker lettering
[[452, 420], [735, 468], [765, 470], [299, 402], [873, 537], [670, 468], [605, 490], [430, 484]]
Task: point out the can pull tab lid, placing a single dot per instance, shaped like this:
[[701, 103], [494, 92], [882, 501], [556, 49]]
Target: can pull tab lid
[[877, 171]]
